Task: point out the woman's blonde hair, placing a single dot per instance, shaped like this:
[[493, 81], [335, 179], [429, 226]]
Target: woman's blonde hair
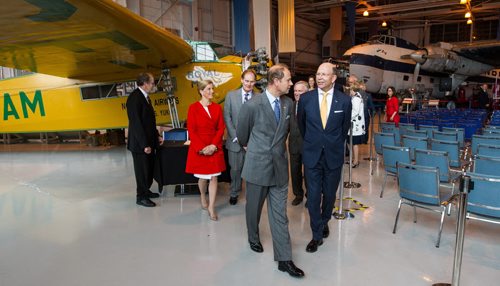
[[203, 83], [356, 86]]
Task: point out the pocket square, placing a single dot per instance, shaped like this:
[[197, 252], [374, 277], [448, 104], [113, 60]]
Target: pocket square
[[338, 111]]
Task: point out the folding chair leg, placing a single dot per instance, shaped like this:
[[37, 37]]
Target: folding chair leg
[[414, 214], [383, 185], [397, 216], [440, 227]]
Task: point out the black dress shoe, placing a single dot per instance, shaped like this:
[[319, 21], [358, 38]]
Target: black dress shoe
[[256, 246], [146, 203], [152, 195], [296, 201], [233, 200], [288, 266], [312, 246], [326, 231]]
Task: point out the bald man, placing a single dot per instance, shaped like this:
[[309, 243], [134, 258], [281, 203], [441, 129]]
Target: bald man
[[324, 117]]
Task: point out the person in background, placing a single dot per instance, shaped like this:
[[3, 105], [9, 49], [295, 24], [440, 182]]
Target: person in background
[[263, 126], [358, 121], [324, 117], [233, 103], [369, 107], [295, 145], [392, 106], [484, 99], [143, 138], [312, 82], [205, 155]]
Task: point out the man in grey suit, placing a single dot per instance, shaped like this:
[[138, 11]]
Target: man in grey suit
[[263, 126], [236, 154], [295, 145]]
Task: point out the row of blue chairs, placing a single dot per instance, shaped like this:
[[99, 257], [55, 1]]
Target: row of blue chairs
[[412, 142], [419, 187]]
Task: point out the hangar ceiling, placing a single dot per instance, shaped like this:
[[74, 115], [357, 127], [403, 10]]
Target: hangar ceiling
[[401, 13]]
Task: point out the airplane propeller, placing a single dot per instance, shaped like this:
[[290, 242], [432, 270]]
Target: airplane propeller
[[419, 57]]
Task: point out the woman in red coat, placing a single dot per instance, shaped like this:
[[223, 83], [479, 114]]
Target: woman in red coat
[[392, 107], [205, 156]]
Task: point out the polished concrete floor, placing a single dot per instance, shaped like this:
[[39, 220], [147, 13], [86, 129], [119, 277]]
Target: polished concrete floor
[[68, 217]]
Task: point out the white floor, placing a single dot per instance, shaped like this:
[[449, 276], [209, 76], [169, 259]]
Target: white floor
[[68, 217]]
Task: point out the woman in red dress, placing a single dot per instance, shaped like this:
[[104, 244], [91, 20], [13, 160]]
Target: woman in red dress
[[205, 156], [392, 107]]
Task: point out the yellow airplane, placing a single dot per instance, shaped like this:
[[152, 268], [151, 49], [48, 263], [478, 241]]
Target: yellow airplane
[[85, 55]]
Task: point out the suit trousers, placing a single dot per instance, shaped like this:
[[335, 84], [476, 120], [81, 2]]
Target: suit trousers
[[322, 184], [296, 174], [236, 160], [144, 172], [278, 220]]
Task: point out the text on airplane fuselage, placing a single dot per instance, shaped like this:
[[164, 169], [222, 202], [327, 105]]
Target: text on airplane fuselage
[[11, 112]]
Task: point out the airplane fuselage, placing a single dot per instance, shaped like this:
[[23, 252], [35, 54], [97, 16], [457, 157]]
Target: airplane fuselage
[[44, 103], [381, 66], [389, 61]]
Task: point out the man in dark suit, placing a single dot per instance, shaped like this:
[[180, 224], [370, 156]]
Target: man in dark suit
[[295, 145], [484, 99], [232, 105], [324, 117], [143, 138], [263, 126]]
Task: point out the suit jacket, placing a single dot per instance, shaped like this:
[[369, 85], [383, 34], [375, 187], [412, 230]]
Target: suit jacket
[[332, 138], [232, 106], [266, 161], [483, 99], [295, 138], [142, 130]]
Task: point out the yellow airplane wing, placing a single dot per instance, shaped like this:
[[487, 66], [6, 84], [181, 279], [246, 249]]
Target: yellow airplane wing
[[96, 40]]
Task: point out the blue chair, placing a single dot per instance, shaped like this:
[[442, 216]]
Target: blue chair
[[391, 125], [488, 150], [414, 143], [416, 133], [493, 132], [177, 134], [438, 159], [480, 139], [392, 155], [394, 130], [487, 165], [484, 200], [451, 147], [383, 139], [448, 136], [460, 132], [429, 129], [419, 187]]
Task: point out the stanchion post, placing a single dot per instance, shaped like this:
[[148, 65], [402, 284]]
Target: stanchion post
[[465, 187], [341, 214], [350, 184], [370, 135]]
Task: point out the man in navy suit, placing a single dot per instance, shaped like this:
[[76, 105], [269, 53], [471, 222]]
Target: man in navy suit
[[324, 117], [143, 138]]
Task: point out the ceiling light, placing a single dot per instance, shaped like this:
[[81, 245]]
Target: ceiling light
[[469, 21], [384, 24], [463, 1], [467, 15], [366, 14]]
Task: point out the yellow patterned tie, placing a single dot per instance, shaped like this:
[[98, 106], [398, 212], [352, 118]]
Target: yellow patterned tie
[[323, 109]]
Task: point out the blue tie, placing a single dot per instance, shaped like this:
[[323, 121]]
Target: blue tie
[[277, 110]]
